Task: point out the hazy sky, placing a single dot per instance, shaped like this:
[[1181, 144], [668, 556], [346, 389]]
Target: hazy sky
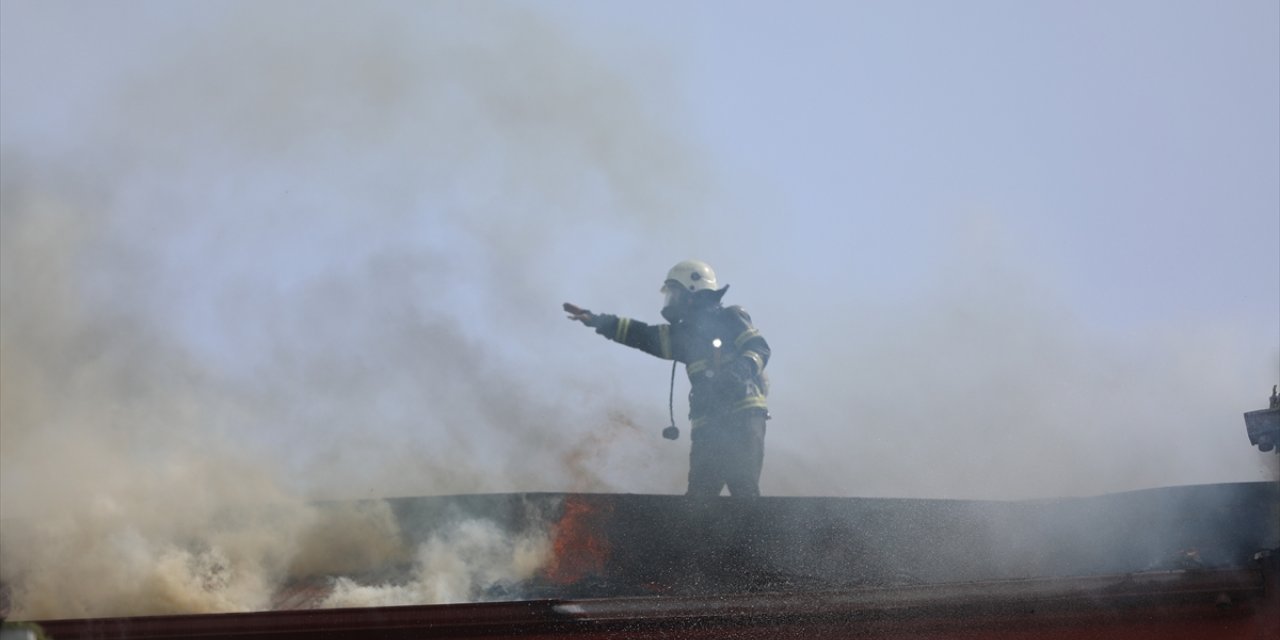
[[1000, 249]]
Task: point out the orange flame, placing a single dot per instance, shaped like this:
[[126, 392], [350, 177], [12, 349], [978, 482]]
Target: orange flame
[[580, 547]]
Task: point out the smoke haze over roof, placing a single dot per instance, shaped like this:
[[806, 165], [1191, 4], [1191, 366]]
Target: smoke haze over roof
[[298, 250]]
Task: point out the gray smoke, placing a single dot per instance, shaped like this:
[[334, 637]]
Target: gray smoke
[[263, 254], [989, 386], [285, 264]]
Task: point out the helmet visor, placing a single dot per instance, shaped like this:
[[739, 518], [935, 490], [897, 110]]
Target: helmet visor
[[672, 293]]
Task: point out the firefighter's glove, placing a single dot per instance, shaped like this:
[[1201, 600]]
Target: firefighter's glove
[[582, 315]]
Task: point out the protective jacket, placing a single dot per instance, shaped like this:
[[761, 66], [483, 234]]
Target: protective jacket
[[723, 354]]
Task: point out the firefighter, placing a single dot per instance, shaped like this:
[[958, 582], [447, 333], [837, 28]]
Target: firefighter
[[724, 357]]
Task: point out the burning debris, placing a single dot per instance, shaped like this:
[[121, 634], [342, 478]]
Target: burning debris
[[581, 546], [504, 547]]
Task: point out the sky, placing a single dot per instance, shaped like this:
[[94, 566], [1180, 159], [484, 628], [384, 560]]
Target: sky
[[1001, 250]]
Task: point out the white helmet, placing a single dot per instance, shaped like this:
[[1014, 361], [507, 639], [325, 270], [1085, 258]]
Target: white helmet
[[691, 275]]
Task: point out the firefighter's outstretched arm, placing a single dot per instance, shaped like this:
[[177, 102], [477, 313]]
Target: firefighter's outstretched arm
[[652, 339]]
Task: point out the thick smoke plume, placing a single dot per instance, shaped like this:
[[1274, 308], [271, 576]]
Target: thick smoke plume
[[286, 265], [460, 564]]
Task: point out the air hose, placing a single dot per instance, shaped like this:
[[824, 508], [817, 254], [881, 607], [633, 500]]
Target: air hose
[[672, 432]]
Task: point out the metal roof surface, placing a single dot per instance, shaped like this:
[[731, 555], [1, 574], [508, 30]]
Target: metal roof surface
[[676, 565]]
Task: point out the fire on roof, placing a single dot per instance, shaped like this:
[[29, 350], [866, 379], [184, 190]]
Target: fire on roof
[[1160, 563]]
